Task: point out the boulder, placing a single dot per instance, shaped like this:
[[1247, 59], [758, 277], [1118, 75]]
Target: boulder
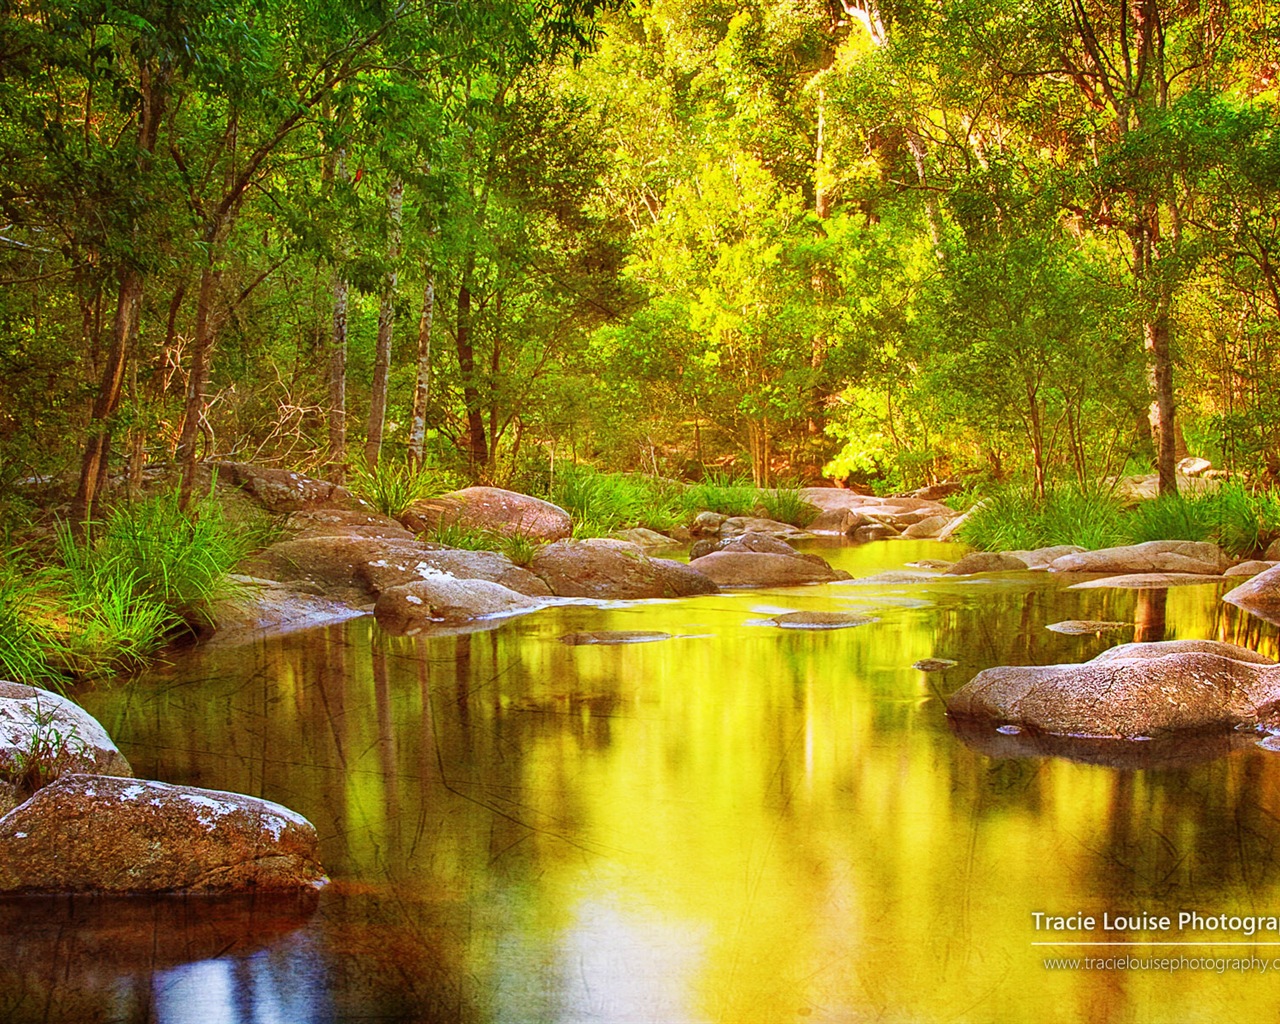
[[44, 736], [1134, 690], [1145, 581], [338, 522], [261, 608], [355, 570], [820, 620], [760, 569], [926, 528], [279, 490], [843, 511], [875, 531], [1176, 556], [1259, 596], [738, 525], [760, 542], [442, 599], [1194, 466], [707, 524], [647, 539], [1042, 558], [953, 527], [934, 664], [1253, 567], [577, 569], [1272, 554], [102, 834], [986, 561], [704, 547], [491, 509]]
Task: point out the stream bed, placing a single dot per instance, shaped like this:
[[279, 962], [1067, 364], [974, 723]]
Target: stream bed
[[740, 823]]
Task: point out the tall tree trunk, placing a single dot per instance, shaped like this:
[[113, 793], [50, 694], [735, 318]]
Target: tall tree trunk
[[1155, 298], [198, 380], [386, 327], [477, 449], [93, 465], [338, 380], [151, 86], [422, 390]]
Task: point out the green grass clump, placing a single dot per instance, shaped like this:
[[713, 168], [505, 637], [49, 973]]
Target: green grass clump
[[468, 538], [1015, 519], [785, 505], [24, 640], [143, 573], [1238, 521], [520, 548], [391, 488], [721, 493], [601, 503]]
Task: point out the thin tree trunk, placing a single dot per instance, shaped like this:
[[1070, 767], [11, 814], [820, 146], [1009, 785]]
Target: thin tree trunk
[[198, 381], [477, 449], [422, 391], [128, 304], [386, 327]]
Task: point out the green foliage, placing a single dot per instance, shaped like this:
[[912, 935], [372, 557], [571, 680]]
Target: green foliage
[[1239, 521], [455, 535], [24, 642], [391, 488], [1015, 518], [720, 492], [601, 503], [520, 548], [143, 573], [786, 505]]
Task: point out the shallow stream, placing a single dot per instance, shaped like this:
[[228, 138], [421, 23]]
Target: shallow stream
[[738, 824]]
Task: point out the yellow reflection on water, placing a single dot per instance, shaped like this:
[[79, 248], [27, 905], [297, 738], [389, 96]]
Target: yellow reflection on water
[[740, 823]]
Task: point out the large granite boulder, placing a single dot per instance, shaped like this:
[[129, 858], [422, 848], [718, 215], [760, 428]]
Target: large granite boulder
[[1134, 690], [355, 570], [1153, 556], [102, 834], [44, 736], [1042, 558], [762, 569], [492, 509], [614, 572], [1251, 567], [1259, 596], [736, 526], [442, 599], [844, 512], [764, 543], [340, 522], [280, 490]]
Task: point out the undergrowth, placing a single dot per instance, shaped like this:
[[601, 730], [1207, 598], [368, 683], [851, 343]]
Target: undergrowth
[[392, 487]]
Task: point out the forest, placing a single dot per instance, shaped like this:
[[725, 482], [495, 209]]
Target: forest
[[885, 244]]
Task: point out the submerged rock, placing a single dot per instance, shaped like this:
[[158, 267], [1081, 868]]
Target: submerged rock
[[44, 736], [492, 509], [820, 620], [1134, 690], [986, 561], [1170, 751], [98, 833], [934, 664], [1087, 627], [614, 636]]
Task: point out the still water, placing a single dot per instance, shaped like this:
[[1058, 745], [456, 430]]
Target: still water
[[740, 823]]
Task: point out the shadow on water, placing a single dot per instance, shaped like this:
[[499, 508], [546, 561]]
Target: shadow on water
[[739, 823]]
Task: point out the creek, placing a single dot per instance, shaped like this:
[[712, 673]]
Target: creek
[[739, 824]]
